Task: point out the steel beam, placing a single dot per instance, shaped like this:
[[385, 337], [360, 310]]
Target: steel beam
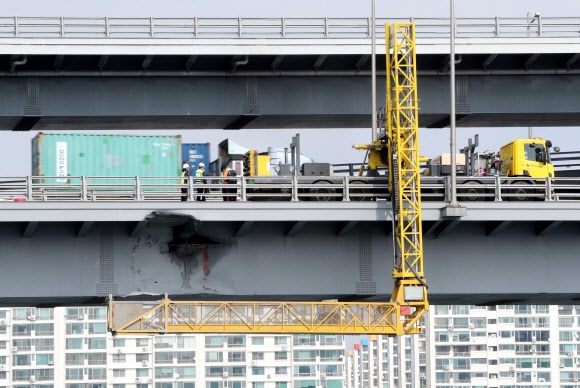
[[190, 62], [244, 228], [296, 227], [488, 61], [347, 227], [543, 228], [532, 58], [276, 62], [58, 62], [102, 62], [29, 229], [494, 228], [572, 60], [319, 61], [362, 61], [146, 62], [84, 229]]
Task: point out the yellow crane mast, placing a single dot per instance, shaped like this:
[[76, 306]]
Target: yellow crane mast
[[401, 315]]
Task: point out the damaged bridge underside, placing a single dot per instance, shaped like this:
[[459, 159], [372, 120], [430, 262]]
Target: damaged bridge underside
[[67, 253]]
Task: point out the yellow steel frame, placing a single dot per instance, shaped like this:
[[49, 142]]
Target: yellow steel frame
[[410, 291], [403, 135], [254, 317]]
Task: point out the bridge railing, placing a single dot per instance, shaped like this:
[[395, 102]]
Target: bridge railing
[[332, 188], [275, 28]]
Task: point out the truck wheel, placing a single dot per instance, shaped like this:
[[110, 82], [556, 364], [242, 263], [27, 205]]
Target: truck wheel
[[521, 194], [322, 194], [472, 194], [359, 193]]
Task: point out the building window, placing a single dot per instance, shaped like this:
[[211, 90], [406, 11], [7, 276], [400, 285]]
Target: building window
[[142, 342], [237, 341], [118, 342], [281, 370], [74, 343], [280, 340], [98, 328], [164, 357], [281, 355], [140, 357], [43, 359], [257, 340], [257, 371], [257, 355], [120, 357], [214, 357], [213, 341], [97, 343], [74, 328], [258, 384], [118, 372]]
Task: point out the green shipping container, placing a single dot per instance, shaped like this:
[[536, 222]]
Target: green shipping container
[[63, 154]]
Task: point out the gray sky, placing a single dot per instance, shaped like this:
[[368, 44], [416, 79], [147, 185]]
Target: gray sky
[[323, 145]]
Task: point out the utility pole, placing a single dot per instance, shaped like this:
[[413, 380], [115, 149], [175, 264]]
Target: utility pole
[[452, 145], [373, 75]]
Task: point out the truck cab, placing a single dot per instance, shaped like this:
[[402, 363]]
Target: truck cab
[[526, 157]]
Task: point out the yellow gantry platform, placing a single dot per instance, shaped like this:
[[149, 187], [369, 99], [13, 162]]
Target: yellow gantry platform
[[402, 314], [168, 316]]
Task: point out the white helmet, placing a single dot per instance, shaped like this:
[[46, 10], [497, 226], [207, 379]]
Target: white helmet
[[201, 165], [185, 165]]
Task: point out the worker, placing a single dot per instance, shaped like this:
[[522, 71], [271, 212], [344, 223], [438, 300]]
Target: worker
[[184, 180], [200, 172], [228, 172]]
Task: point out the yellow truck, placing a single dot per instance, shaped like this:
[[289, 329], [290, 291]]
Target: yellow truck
[[523, 164]]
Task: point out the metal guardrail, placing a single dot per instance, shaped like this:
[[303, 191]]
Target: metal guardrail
[[272, 28], [334, 188]]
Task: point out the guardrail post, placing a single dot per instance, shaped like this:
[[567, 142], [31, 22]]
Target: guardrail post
[[243, 188], [549, 189], [369, 27], [283, 27], [496, 26], [16, 30], [239, 27], [539, 25], [83, 188], [137, 188], [295, 188], [326, 27], [151, 27], [497, 188], [62, 27], [346, 190], [195, 27], [29, 188], [190, 196], [106, 27], [447, 189]]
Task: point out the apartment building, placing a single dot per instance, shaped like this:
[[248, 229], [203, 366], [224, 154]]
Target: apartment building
[[508, 346], [71, 348]]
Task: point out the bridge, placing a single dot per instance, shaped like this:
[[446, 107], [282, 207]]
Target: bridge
[[196, 73], [74, 247], [78, 243]]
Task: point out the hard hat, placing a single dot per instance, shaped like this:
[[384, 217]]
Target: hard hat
[[201, 165], [185, 165]]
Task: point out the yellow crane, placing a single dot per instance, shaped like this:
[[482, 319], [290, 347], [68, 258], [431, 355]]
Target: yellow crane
[[397, 147]]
